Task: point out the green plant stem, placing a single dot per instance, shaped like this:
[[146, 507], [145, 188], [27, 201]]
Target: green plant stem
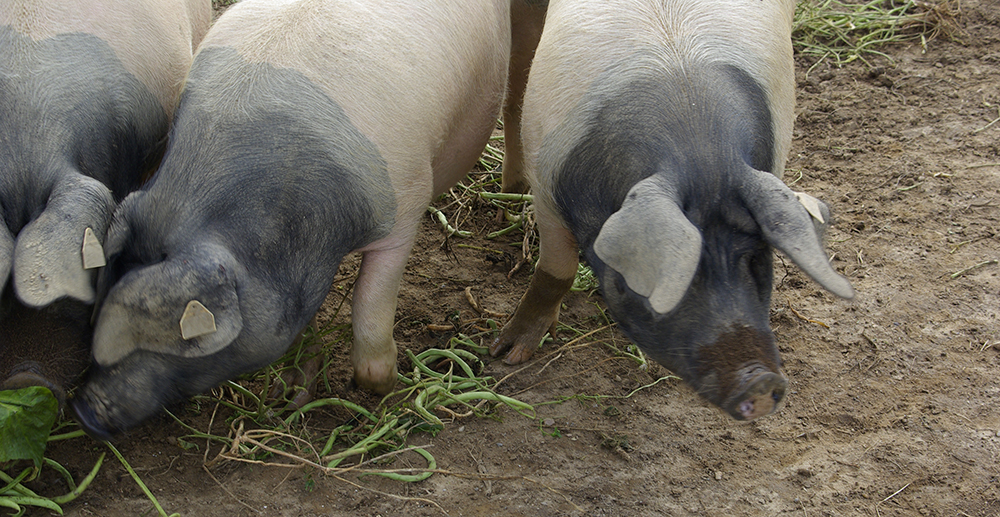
[[135, 477]]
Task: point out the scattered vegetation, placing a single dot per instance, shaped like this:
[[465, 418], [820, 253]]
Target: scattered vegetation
[[441, 384], [846, 31]]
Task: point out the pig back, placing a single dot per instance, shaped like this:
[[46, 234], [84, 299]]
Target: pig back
[[407, 73]]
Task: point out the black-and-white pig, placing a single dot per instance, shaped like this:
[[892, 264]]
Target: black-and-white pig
[[87, 90], [655, 136], [306, 129]]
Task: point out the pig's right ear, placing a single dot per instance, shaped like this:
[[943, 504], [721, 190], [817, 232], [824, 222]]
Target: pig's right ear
[[652, 244], [56, 253], [186, 305]]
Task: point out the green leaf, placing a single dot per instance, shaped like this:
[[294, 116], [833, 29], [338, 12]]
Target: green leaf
[[26, 418]]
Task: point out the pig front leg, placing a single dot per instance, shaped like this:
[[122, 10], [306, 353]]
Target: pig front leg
[[373, 310], [538, 310]]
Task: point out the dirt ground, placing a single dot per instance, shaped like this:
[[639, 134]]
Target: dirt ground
[[893, 405]]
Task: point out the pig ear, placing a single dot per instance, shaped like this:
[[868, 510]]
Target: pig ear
[[789, 222], [51, 251], [171, 308], [651, 243]]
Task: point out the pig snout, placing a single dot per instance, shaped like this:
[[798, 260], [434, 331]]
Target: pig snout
[[740, 372], [764, 393], [87, 417], [101, 418], [116, 398], [103, 410], [31, 373]]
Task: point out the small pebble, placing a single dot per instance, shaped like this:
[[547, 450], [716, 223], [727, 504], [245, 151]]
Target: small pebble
[[549, 422], [718, 475]]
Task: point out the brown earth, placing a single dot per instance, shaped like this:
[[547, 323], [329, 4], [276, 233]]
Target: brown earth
[[894, 403]]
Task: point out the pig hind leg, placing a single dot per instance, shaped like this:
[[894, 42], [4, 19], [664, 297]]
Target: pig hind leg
[[526, 30], [538, 310]]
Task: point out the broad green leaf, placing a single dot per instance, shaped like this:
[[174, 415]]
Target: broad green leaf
[[26, 418]]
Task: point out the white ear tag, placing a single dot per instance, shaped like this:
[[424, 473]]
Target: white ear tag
[[196, 321], [811, 204], [93, 252]]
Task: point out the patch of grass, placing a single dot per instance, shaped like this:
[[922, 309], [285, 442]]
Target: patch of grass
[[443, 384], [843, 32]]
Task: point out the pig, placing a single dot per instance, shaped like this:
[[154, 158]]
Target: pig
[[86, 94], [655, 135], [306, 129]]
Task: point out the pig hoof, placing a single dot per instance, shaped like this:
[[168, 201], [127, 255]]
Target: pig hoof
[[518, 354], [28, 374], [763, 396], [87, 419], [518, 351], [381, 384], [300, 381]]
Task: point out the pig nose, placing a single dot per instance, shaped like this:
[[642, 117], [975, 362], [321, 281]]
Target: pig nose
[[762, 397], [87, 418]]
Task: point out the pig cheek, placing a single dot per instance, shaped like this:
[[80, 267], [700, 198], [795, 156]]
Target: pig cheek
[[655, 333]]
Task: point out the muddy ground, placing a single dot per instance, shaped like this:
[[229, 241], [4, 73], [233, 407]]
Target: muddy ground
[[894, 403]]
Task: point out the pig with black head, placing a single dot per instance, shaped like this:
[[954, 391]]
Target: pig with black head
[[655, 135], [306, 129], [87, 90]]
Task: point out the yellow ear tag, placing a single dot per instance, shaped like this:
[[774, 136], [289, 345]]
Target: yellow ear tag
[[811, 204], [196, 321], [93, 252]]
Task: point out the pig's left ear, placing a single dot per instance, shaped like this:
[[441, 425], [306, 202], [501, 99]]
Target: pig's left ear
[[186, 306], [652, 244], [54, 253], [794, 224]]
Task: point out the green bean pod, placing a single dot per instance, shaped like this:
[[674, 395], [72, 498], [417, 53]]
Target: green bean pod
[[84, 483], [413, 478]]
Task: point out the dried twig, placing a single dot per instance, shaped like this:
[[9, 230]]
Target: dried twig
[[803, 318], [959, 273]]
